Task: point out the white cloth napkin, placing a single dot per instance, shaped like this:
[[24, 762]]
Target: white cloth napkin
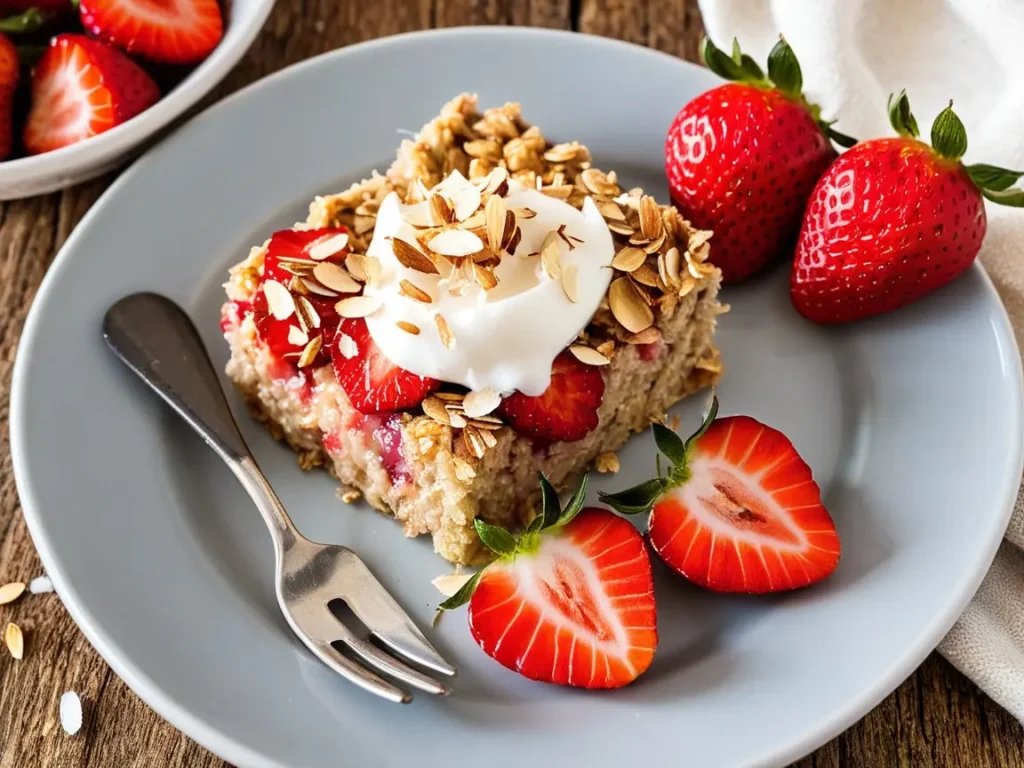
[[853, 54]]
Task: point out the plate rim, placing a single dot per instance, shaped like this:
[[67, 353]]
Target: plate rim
[[228, 748]]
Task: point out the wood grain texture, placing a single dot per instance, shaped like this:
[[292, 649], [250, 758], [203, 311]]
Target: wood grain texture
[[936, 718]]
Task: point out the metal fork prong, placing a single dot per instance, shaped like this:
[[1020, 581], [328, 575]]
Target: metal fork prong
[[390, 665], [386, 620], [356, 673]]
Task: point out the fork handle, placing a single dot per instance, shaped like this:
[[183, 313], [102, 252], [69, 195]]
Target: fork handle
[[156, 339]]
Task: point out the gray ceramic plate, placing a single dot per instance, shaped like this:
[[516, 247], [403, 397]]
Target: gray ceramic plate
[[912, 424]]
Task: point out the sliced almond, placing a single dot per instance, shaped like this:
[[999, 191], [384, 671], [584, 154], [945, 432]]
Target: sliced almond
[[698, 238], [447, 337], [514, 242], [466, 202], [524, 213], [474, 441], [562, 153], [410, 256], [363, 224], [409, 328], [311, 350], [486, 434], [497, 182], [450, 397], [606, 348], [418, 219], [673, 261], [599, 184], [588, 355], [279, 300], [354, 264], [440, 211], [645, 274], [334, 277], [687, 284], [621, 228], [434, 408], [628, 306], [306, 313], [570, 274], [297, 336], [308, 286], [650, 217], [646, 336], [372, 268], [610, 211], [485, 277], [550, 256], [481, 402], [495, 213], [629, 259], [457, 420], [449, 584], [454, 243], [347, 346], [11, 592], [14, 640], [655, 245], [327, 248], [559, 192], [357, 306], [414, 292]]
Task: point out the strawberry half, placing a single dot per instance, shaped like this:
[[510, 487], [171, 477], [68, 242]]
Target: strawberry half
[[169, 31], [569, 601], [8, 83], [738, 511], [566, 410], [372, 382], [80, 88]]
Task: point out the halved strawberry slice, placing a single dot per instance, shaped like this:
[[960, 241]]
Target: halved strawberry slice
[[739, 510], [80, 88], [289, 257], [567, 409], [9, 72], [372, 382], [170, 31], [569, 601]]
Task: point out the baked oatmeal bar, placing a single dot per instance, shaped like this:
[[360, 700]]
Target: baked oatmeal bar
[[442, 461]]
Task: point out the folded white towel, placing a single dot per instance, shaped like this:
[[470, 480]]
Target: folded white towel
[[854, 53]]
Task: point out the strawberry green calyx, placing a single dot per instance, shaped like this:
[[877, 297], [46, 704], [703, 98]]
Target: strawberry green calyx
[[784, 74], [23, 23], [640, 498], [507, 546], [949, 140]]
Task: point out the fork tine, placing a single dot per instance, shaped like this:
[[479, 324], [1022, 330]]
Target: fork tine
[[385, 618], [355, 673], [385, 663]]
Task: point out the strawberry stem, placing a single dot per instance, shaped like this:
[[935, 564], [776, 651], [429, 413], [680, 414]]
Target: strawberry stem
[[949, 137], [23, 23]]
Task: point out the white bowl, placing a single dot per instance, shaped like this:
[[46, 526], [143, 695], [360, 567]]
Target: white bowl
[[27, 176]]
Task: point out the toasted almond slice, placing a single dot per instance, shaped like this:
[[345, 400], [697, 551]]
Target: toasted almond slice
[[482, 148], [315, 287], [466, 202], [455, 242], [306, 313], [297, 336], [477, 221], [514, 242], [569, 282], [646, 336], [372, 268], [495, 214], [645, 274], [606, 348], [408, 327], [279, 300], [447, 337], [334, 277], [560, 192], [457, 420], [347, 346], [550, 256], [434, 408], [357, 306], [655, 245], [621, 228], [497, 182], [474, 441], [629, 259], [481, 402], [409, 256], [486, 434], [524, 213], [418, 219], [610, 211], [698, 238], [363, 224], [628, 306], [650, 217], [588, 355], [598, 183], [14, 640], [327, 248], [687, 284], [485, 277], [450, 397], [562, 153], [449, 584], [440, 211], [673, 261], [310, 351], [414, 292], [11, 592], [607, 462], [354, 264]]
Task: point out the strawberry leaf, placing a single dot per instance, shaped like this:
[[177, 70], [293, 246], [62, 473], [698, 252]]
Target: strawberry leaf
[[29, 21], [550, 508], [719, 62], [710, 417], [784, 69], [461, 597], [638, 499], [495, 538], [949, 137], [1012, 197], [993, 178], [900, 116], [575, 502], [751, 68], [669, 443], [839, 138]]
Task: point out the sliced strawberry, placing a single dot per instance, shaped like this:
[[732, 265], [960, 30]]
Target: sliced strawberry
[[169, 31], [739, 511], [372, 382], [8, 84], [570, 601], [567, 409], [81, 88]]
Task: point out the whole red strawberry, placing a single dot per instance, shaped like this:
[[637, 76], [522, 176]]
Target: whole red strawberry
[[742, 158], [8, 84], [894, 219], [569, 601], [738, 510]]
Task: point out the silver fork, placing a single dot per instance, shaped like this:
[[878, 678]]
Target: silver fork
[[155, 338]]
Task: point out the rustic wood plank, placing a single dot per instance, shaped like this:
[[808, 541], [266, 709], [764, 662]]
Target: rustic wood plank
[[936, 718]]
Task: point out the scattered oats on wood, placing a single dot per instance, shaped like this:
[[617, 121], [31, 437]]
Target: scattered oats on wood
[[481, 402], [570, 282], [550, 256], [327, 248], [347, 346], [11, 592], [629, 259], [449, 584], [335, 278], [607, 462], [70, 712], [588, 355], [310, 351], [455, 243], [14, 639], [628, 306], [414, 292], [296, 335], [410, 256], [351, 496], [447, 337], [40, 585], [358, 306], [279, 300], [408, 327]]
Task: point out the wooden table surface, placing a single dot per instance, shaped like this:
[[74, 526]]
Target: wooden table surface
[[937, 717]]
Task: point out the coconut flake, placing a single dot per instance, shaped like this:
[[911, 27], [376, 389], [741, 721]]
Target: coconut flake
[[40, 585], [70, 712]]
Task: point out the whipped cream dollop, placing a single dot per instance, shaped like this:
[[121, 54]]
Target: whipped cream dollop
[[505, 338]]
